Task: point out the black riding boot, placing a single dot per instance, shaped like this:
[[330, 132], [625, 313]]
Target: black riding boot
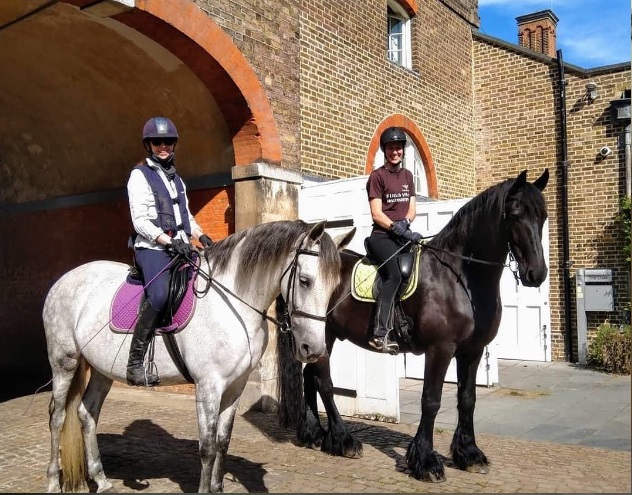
[[383, 324], [143, 333]]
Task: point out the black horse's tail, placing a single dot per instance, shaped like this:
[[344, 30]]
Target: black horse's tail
[[289, 375]]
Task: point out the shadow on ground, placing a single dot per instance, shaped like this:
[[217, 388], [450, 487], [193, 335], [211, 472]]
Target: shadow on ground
[[146, 451]]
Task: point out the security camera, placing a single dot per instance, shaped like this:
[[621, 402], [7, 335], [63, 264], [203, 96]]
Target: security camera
[[605, 151]]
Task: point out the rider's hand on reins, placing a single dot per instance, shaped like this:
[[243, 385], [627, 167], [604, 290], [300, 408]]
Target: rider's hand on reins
[[178, 246]]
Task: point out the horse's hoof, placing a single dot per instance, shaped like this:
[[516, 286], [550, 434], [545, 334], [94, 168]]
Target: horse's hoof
[[109, 489], [435, 478], [478, 469], [353, 454]]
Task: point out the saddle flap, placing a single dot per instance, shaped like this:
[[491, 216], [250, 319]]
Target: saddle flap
[[364, 276], [127, 300]]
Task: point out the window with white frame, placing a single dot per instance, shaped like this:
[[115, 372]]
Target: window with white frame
[[399, 39], [413, 162]]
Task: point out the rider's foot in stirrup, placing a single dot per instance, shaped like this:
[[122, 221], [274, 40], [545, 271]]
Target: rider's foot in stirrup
[[381, 344]]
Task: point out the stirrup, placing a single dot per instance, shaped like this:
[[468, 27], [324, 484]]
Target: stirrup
[[382, 344], [139, 377]]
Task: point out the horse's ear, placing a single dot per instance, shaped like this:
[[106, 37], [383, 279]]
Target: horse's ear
[[520, 181], [316, 232], [543, 180], [343, 240]]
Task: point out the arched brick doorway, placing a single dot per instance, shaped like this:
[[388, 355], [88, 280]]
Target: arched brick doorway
[[80, 80], [399, 120]]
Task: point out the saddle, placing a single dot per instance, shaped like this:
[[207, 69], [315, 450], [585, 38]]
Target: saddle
[[366, 283], [129, 296]]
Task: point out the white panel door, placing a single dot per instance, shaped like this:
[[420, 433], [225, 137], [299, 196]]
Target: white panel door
[[367, 383], [431, 218], [524, 331]]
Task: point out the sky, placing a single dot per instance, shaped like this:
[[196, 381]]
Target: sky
[[590, 33]]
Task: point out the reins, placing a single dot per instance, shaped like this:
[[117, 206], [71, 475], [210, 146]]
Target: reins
[[283, 326]]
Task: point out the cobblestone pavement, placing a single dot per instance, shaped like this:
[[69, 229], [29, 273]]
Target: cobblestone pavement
[[148, 442]]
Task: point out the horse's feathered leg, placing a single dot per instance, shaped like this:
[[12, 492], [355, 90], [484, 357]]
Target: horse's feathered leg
[[89, 412], [338, 440], [207, 400], [309, 431], [424, 462], [465, 453]]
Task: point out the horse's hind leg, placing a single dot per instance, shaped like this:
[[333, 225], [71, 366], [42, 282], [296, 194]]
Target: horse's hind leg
[[63, 373], [89, 412], [465, 453], [424, 462]]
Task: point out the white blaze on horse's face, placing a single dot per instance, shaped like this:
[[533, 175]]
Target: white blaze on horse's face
[[307, 302]]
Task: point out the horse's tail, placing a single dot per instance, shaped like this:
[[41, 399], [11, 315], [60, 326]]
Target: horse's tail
[[73, 463], [289, 376]]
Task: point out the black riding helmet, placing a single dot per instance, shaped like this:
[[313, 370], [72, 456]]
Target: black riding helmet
[[159, 127], [393, 135]]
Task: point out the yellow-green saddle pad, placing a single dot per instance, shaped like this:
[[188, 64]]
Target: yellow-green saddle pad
[[364, 275]]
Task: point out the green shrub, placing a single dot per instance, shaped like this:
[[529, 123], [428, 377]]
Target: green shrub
[[611, 349]]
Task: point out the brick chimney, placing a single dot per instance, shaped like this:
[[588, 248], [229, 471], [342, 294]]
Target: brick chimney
[[537, 32]]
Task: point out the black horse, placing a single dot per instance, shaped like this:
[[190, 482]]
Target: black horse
[[455, 312]]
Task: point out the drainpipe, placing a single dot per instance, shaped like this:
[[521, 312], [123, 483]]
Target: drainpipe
[[566, 264], [628, 172]]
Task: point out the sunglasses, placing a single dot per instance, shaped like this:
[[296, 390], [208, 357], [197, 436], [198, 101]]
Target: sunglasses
[[165, 141]]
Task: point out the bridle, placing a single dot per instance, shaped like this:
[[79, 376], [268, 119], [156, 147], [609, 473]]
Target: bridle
[[285, 324]]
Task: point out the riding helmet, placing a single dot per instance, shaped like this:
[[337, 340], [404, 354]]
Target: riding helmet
[[159, 127], [392, 135]]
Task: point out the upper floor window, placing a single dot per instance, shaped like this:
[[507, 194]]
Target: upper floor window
[[399, 39]]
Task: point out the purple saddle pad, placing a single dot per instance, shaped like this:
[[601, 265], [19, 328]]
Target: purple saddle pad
[[126, 302]]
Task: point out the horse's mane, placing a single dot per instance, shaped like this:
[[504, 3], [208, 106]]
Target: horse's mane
[[487, 206], [264, 245]]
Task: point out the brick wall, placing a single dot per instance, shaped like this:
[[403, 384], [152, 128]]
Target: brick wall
[[348, 87], [267, 34], [518, 127]]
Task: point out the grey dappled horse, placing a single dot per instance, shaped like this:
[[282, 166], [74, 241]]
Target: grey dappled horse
[[221, 345]]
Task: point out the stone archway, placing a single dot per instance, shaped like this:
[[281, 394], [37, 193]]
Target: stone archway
[[75, 103]]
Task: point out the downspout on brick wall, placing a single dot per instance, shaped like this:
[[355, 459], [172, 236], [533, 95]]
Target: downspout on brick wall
[[536, 31], [566, 264]]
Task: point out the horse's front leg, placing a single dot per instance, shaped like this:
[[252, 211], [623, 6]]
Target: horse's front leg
[[465, 453], [207, 400], [338, 440], [424, 462], [309, 431]]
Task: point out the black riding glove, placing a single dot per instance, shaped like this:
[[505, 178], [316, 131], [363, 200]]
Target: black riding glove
[[414, 237], [206, 241], [400, 227], [180, 247]]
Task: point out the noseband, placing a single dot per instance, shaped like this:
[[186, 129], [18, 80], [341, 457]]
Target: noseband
[[286, 320]]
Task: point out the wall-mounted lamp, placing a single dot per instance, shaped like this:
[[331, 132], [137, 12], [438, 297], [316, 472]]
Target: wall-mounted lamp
[[591, 91]]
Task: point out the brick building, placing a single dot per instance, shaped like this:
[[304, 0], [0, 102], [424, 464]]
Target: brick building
[[264, 92], [518, 126]]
